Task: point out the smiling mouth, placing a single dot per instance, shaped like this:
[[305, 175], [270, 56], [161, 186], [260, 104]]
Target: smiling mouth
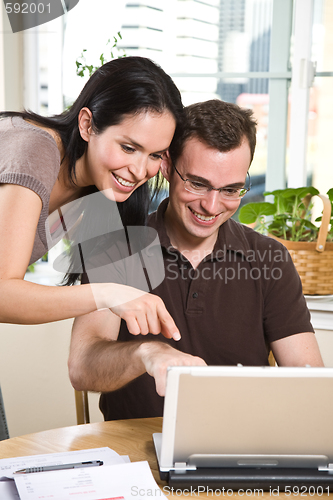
[[204, 217], [123, 182]]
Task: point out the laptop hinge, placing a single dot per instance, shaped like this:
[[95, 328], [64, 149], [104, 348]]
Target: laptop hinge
[[182, 467], [329, 468]]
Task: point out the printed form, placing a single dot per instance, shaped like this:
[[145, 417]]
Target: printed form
[[8, 466], [108, 482]]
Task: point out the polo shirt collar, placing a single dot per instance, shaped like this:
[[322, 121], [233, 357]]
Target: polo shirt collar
[[156, 220], [232, 238]]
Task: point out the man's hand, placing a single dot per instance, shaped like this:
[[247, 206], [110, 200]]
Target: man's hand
[[99, 362], [157, 357]]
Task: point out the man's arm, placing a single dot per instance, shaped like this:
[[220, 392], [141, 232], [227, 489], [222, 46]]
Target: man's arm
[[99, 364], [93, 361], [297, 350]]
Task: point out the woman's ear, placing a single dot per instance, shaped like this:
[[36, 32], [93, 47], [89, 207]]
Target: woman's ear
[[85, 124], [166, 165]]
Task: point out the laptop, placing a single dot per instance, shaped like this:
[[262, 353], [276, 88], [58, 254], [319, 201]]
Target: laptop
[[247, 427]]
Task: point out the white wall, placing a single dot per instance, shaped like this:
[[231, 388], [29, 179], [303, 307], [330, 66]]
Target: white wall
[[321, 310], [34, 379], [325, 341]]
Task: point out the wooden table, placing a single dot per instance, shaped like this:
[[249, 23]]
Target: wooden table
[[126, 437]]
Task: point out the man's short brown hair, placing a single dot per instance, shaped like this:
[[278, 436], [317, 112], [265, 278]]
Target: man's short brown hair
[[219, 124]]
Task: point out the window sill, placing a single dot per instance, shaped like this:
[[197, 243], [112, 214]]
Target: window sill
[[321, 309]]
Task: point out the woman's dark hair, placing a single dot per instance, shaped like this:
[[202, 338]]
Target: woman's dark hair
[[124, 86]]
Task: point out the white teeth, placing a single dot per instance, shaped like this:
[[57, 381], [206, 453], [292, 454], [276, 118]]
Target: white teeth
[[123, 182], [203, 217]]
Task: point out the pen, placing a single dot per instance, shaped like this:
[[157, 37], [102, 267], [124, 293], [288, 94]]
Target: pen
[[47, 468]]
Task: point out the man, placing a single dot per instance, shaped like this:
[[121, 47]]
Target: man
[[233, 293]]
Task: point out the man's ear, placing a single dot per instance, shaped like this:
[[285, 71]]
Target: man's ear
[[85, 124], [166, 166]]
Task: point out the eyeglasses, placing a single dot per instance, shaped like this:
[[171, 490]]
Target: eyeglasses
[[227, 192]]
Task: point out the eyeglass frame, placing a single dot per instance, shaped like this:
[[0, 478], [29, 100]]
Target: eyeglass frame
[[211, 188]]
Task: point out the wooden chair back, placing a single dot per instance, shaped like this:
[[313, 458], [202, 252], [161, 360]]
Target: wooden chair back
[[82, 407]]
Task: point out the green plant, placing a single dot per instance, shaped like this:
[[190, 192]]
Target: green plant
[[288, 217], [31, 268], [81, 62]]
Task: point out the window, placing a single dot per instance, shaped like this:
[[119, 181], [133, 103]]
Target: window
[[242, 51]]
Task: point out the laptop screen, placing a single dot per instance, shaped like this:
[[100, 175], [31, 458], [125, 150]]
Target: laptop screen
[[247, 417]]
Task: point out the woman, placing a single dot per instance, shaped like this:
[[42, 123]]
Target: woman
[[111, 139]]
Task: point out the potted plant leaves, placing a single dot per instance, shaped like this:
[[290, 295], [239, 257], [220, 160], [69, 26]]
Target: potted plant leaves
[[289, 219]]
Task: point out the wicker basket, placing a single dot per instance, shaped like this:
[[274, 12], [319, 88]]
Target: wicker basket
[[314, 260]]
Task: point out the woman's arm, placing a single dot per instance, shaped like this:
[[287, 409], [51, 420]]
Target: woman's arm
[[28, 303], [23, 302]]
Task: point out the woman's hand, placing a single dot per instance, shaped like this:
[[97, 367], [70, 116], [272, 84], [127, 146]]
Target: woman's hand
[[143, 312]]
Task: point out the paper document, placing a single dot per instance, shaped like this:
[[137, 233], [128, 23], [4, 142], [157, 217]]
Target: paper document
[[108, 482], [8, 491], [10, 465]]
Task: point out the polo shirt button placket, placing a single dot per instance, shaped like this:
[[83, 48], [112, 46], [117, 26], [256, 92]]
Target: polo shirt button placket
[[184, 271]]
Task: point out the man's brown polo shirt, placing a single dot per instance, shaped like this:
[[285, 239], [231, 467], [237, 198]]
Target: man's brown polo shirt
[[240, 298]]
